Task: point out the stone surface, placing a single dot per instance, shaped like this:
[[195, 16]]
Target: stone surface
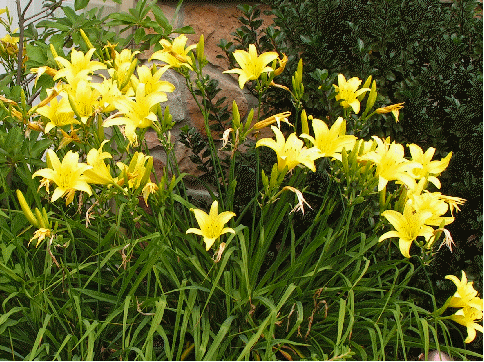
[[215, 22]]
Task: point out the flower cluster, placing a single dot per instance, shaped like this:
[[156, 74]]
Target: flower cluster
[[470, 305]]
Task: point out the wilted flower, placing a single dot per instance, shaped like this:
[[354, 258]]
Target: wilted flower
[[394, 108], [40, 235]]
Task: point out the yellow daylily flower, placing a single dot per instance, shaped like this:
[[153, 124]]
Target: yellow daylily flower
[[137, 173], [59, 113], [83, 99], [152, 81], [391, 164], [68, 175], [331, 141], [290, 152], [465, 295], [408, 227], [79, 67], [123, 67], [430, 169], [394, 108], [99, 173], [468, 316], [137, 112], [252, 65], [110, 93], [431, 202], [212, 224], [175, 54], [348, 92]]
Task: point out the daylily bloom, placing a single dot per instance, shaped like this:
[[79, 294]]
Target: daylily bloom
[[68, 175], [175, 54], [391, 164], [138, 172], [137, 112], [83, 99], [59, 113], [394, 108], [292, 152], [124, 66], [252, 65], [429, 168], [152, 82], [79, 67], [432, 202], [331, 141], [348, 92], [408, 227], [110, 93], [212, 224], [465, 295], [99, 173], [468, 316]]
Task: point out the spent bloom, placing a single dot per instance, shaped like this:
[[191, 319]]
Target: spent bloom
[[290, 152], [331, 141], [212, 224], [348, 92], [251, 64], [68, 175], [394, 108], [40, 234]]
